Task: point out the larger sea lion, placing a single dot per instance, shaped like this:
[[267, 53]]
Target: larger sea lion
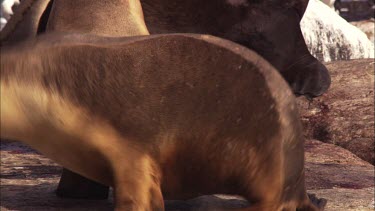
[[194, 115], [271, 28]]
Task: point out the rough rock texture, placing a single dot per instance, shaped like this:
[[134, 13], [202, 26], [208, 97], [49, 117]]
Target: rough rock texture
[[329, 37], [367, 26], [336, 174], [29, 179], [345, 114]]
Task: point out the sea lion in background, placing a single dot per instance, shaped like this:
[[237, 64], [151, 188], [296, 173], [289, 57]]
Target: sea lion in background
[[195, 115], [271, 28]]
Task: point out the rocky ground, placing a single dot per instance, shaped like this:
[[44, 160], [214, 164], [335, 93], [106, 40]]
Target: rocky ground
[[28, 181], [344, 116]]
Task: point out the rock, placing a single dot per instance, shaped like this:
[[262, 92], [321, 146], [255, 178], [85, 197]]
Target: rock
[[346, 181], [329, 37], [28, 180], [367, 26], [345, 114]]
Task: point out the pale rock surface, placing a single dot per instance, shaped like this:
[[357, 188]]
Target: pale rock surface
[[329, 37]]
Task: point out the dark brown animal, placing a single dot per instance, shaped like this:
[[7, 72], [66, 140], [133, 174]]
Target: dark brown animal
[[271, 28], [194, 115]]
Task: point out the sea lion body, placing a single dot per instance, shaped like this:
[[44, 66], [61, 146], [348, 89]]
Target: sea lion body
[[210, 117]]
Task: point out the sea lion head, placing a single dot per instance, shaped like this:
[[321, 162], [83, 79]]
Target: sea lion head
[[270, 27]]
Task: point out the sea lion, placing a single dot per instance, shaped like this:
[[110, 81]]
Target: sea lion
[[271, 28], [194, 115]]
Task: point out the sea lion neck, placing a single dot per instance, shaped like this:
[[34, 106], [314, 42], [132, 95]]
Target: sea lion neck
[[105, 17]]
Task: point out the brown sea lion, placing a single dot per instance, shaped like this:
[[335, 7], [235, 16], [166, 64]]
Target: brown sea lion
[[271, 28], [194, 115]]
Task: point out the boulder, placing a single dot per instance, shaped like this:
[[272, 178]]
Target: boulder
[[329, 37], [339, 176], [345, 114]]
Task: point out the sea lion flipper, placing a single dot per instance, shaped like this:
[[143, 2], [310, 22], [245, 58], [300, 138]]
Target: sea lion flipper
[[320, 203], [137, 180]]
